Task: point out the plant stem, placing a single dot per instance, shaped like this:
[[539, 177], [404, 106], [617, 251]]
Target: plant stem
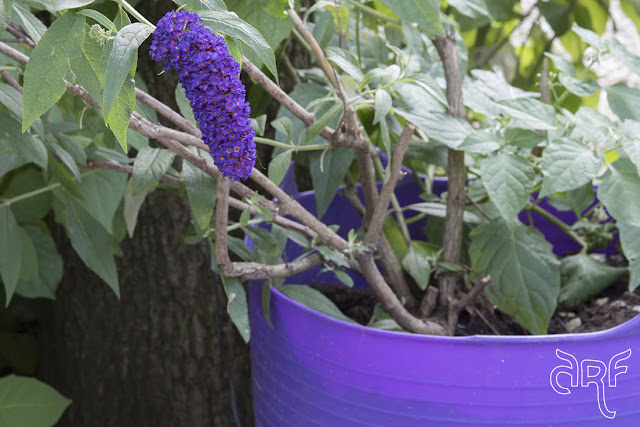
[[9, 202], [373, 12], [311, 147], [126, 6], [564, 227], [396, 209]]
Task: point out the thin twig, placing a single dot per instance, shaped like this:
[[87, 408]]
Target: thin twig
[[11, 81], [380, 211], [457, 306], [222, 217], [167, 112]]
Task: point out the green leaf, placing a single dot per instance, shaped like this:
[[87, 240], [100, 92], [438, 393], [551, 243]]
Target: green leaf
[[263, 240], [584, 277], [562, 64], [619, 192], [44, 75], [523, 138], [99, 18], [631, 146], [523, 269], [567, 164], [327, 172], [91, 243], [237, 306], [265, 300], [12, 99], [588, 36], [21, 15], [344, 278], [416, 262], [132, 204], [315, 300], [28, 258], [33, 208], [347, 61], [274, 28], [586, 87], [29, 149], [201, 190], [624, 101], [471, 8], [59, 5], [442, 127], [382, 105], [509, 182], [229, 24], [557, 15], [479, 142], [49, 266], [324, 120], [630, 241], [149, 166], [121, 60], [425, 13], [10, 251], [62, 175], [62, 155], [103, 191], [120, 113], [279, 166], [531, 113], [28, 402]]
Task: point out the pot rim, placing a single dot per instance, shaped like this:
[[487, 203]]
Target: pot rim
[[624, 328]]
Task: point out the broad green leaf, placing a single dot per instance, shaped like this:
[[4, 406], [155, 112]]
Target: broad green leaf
[[99, 18], [382, 105], [632, 148], [315, 300], [263, 240], [509, 182], [91, 242], [132, 206], [479, 142], [10, 251], [425, 13], [442, 127], [62, 175], [228, 24], [21, 15], [416, 262], [530, 113], [4, 19], [203, 4], [121, 60], [25, 401], [567, 164], [102, 193], [630, 241], [62, 155], [624, 101], [44, 75], [149, 166], [557, 15], [588, 36], [120, 113], [279, 166], [29, 148], [343, 277], [59, 5], [327, 171], [237, 306], [333, 256], [619, 192], [523, 269], [440, 210], [49, 266], [265, 301], [33, 208], [347, 61], [340, 16], [324, 120], [583, 277], [274, 28], [201, 191], [28, 258], [523, 138], [562, 64], [592, 125], [586, 87], [471, 8], [12, 99]]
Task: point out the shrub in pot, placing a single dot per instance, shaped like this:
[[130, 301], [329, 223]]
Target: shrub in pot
[[441, 91]]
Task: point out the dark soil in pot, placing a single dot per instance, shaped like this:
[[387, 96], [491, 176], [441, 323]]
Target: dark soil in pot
[[613, 307]]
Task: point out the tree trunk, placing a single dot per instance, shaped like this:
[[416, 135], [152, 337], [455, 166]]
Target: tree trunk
[[153, 358]]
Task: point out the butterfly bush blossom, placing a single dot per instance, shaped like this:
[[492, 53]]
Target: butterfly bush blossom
[[209, 76]]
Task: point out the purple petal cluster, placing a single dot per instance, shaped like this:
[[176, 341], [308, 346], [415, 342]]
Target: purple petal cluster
[[209, 76]]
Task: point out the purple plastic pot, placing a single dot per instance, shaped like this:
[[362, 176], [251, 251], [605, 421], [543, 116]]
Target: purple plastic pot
[[313, 370]]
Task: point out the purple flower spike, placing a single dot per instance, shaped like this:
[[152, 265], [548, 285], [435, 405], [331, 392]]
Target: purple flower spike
[[209, 76]]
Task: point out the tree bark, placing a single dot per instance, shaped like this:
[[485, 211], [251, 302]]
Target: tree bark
[[153, 358]]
